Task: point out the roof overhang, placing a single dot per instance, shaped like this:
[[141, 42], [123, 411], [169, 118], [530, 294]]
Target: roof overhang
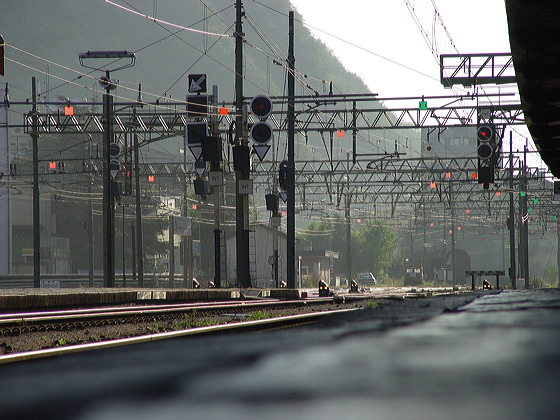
[[534, 27]]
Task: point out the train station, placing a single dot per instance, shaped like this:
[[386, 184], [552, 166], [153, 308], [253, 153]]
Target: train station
[[258, 210]]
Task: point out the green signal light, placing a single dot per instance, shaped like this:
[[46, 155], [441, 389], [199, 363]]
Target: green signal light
[[522, 194]]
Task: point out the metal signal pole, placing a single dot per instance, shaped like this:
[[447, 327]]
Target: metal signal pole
[[109, 188], [291, 184], [36, 213], [511, 224], [108, 200], [241, 172]]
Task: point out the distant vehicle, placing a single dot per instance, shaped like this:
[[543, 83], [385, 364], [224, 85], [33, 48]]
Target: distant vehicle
[[366, 279]]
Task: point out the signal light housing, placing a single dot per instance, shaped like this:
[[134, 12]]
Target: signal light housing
[[197, 106], [485, 137], [283, 175], [261, 106], [261, 132], [486, 151], [324, 290]]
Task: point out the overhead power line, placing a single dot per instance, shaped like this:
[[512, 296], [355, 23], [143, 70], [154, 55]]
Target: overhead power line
[[163, 22]]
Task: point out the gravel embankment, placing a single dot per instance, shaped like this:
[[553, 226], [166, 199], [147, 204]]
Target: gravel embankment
[[385, 313], [10, 344]]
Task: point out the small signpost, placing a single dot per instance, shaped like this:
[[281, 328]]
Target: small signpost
[[197, 83]]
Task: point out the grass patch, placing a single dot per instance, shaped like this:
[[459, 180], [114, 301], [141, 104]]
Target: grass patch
[[61, 342], [192, 321], [255, 316]]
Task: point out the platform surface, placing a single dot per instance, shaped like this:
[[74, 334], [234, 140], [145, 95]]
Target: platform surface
[[495, 358]]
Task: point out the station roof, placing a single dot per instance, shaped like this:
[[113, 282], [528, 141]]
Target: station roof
[[534, 27]]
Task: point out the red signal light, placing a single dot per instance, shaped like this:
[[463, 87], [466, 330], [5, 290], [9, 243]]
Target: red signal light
[[484, 133], [151, 178], [261, 106]]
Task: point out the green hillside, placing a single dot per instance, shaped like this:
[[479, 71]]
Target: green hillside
[[57, 31]]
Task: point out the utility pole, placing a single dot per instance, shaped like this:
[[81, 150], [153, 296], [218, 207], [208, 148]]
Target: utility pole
[[108, 200], [5, 194], [172, 251], [242, 170], [109, 185], [90, 236], [453, 256], [525, 222], [291, 183], [36, 214], [138, 225], [216, 191], [511, 224], [348, 199]]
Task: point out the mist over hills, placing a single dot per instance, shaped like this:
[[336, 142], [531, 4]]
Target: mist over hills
[[44, 39], [57, 31]]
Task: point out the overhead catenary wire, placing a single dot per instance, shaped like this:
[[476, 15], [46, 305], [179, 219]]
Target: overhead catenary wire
[[134, 90]]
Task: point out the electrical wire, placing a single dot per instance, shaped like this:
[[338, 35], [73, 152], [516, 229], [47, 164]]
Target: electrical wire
[[163, 22]]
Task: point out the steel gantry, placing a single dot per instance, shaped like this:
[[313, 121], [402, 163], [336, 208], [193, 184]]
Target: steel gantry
[[389, 178], [384, 184], [321, 114]]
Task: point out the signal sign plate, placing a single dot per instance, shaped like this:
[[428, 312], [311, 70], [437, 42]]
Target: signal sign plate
[[197, 83]]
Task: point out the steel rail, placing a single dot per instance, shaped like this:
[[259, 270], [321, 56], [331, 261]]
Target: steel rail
[[9, 322], [258, 325]]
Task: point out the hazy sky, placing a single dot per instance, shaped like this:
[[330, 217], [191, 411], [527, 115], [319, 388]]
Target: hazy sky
[[387, 30], [380, 41]]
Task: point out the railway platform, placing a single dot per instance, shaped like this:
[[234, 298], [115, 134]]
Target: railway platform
[[480, 355], [19, 299]]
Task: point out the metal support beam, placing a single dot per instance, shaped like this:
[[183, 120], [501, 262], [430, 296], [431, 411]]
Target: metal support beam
[[36, 211], [291, 190], [241, 174]]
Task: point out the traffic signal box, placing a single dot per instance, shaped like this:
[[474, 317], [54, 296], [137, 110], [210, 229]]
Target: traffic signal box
[[486, 152], [261, 132], [283, 175], [324, 289]]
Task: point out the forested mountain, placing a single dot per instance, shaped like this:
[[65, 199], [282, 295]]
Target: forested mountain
[[43, 40], [59, 30]]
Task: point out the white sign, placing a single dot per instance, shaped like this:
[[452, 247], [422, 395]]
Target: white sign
[[216, 178], [245, 186]]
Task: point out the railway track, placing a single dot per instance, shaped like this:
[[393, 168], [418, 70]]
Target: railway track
[[290, 321], [41, 321], [47, 333]]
